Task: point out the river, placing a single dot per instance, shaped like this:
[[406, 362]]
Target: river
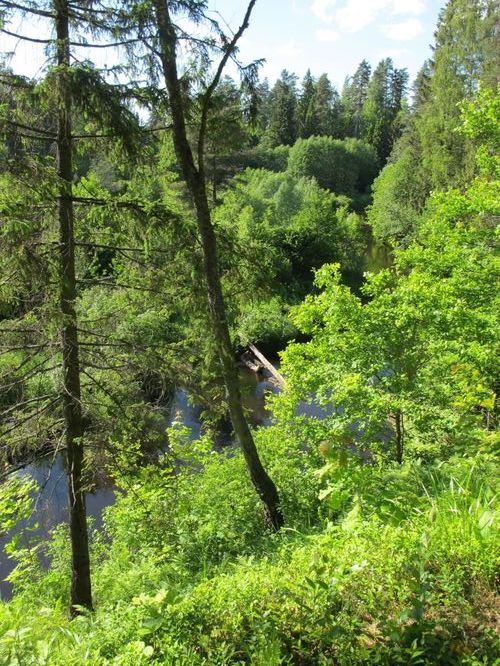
[[51, 506]]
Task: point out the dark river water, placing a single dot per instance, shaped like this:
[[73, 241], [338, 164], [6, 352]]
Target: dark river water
[[51, 507]]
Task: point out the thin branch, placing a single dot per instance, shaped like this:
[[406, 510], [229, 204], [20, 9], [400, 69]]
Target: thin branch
[[105, 344], [90, 201], [105, 391], [29, 375], [105, 46], [7, 348], [207, 97], [29, 10], [26, 39], [29, 461], [18, 330], [116, 285], [35, 137], [115, 368], [39, 130], [119, 248], [27, 360], [18, 405], [18, 424], [110, 135]]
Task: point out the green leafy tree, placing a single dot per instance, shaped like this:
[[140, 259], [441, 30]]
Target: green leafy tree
[[379, 110], [318, 108], [395, 211], [294, 227], [421, 87], [433, 154], [414, 367], [464, 54], [344, 167], [326, 109]]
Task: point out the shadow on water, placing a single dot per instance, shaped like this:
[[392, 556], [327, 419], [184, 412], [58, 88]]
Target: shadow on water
[[51, 506], [378, 256]]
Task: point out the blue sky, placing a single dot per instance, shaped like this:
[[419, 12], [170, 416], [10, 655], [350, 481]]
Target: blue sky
[[333, 36], [330, 36]]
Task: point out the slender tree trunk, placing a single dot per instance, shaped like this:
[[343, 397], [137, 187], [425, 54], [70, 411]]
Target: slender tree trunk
[[214, 179], [196, 182], [80, 576], [398, 418]]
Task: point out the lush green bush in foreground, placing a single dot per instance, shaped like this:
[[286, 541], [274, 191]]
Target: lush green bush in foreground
[[400, 571]]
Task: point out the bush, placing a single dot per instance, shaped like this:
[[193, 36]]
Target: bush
[[344, 167], [403, 573]]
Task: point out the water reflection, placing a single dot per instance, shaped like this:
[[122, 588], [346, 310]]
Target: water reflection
[[51, 506], [50, 509]]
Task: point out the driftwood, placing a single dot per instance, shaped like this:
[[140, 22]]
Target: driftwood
[[248, 359], [267, 365]]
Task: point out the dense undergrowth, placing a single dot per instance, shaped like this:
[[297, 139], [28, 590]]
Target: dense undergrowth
[[400, 571]]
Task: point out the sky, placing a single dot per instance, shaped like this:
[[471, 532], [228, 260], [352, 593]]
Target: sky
[[331, 36], [334, 36]]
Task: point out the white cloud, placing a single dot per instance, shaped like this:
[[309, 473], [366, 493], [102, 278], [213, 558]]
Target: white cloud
[[354, 15], [326, 36], [322, 9], [404, 31], [414, 7], [357, 14]]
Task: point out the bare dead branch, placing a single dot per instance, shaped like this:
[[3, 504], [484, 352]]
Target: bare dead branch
[[207, 97], [18, 424], [26, 39], [28, 10], [20, 405]]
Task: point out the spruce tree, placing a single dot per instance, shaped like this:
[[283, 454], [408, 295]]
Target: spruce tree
[[305, 107], [81, 594], [282, 128], [431, 154], [58, 13], [354, 96], [45, 269], [325, 108], [465, 53], [377, 110], [263, 102], [421, 86]]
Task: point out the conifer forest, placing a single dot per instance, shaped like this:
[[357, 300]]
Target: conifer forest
[[249, 336]]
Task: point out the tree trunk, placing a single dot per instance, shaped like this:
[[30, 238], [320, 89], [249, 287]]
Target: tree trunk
[[398, 418], [196, 182], [214, 179], [80, 576]]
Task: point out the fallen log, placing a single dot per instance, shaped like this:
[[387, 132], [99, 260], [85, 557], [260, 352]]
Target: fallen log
[[248, 360], [269, 366]]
